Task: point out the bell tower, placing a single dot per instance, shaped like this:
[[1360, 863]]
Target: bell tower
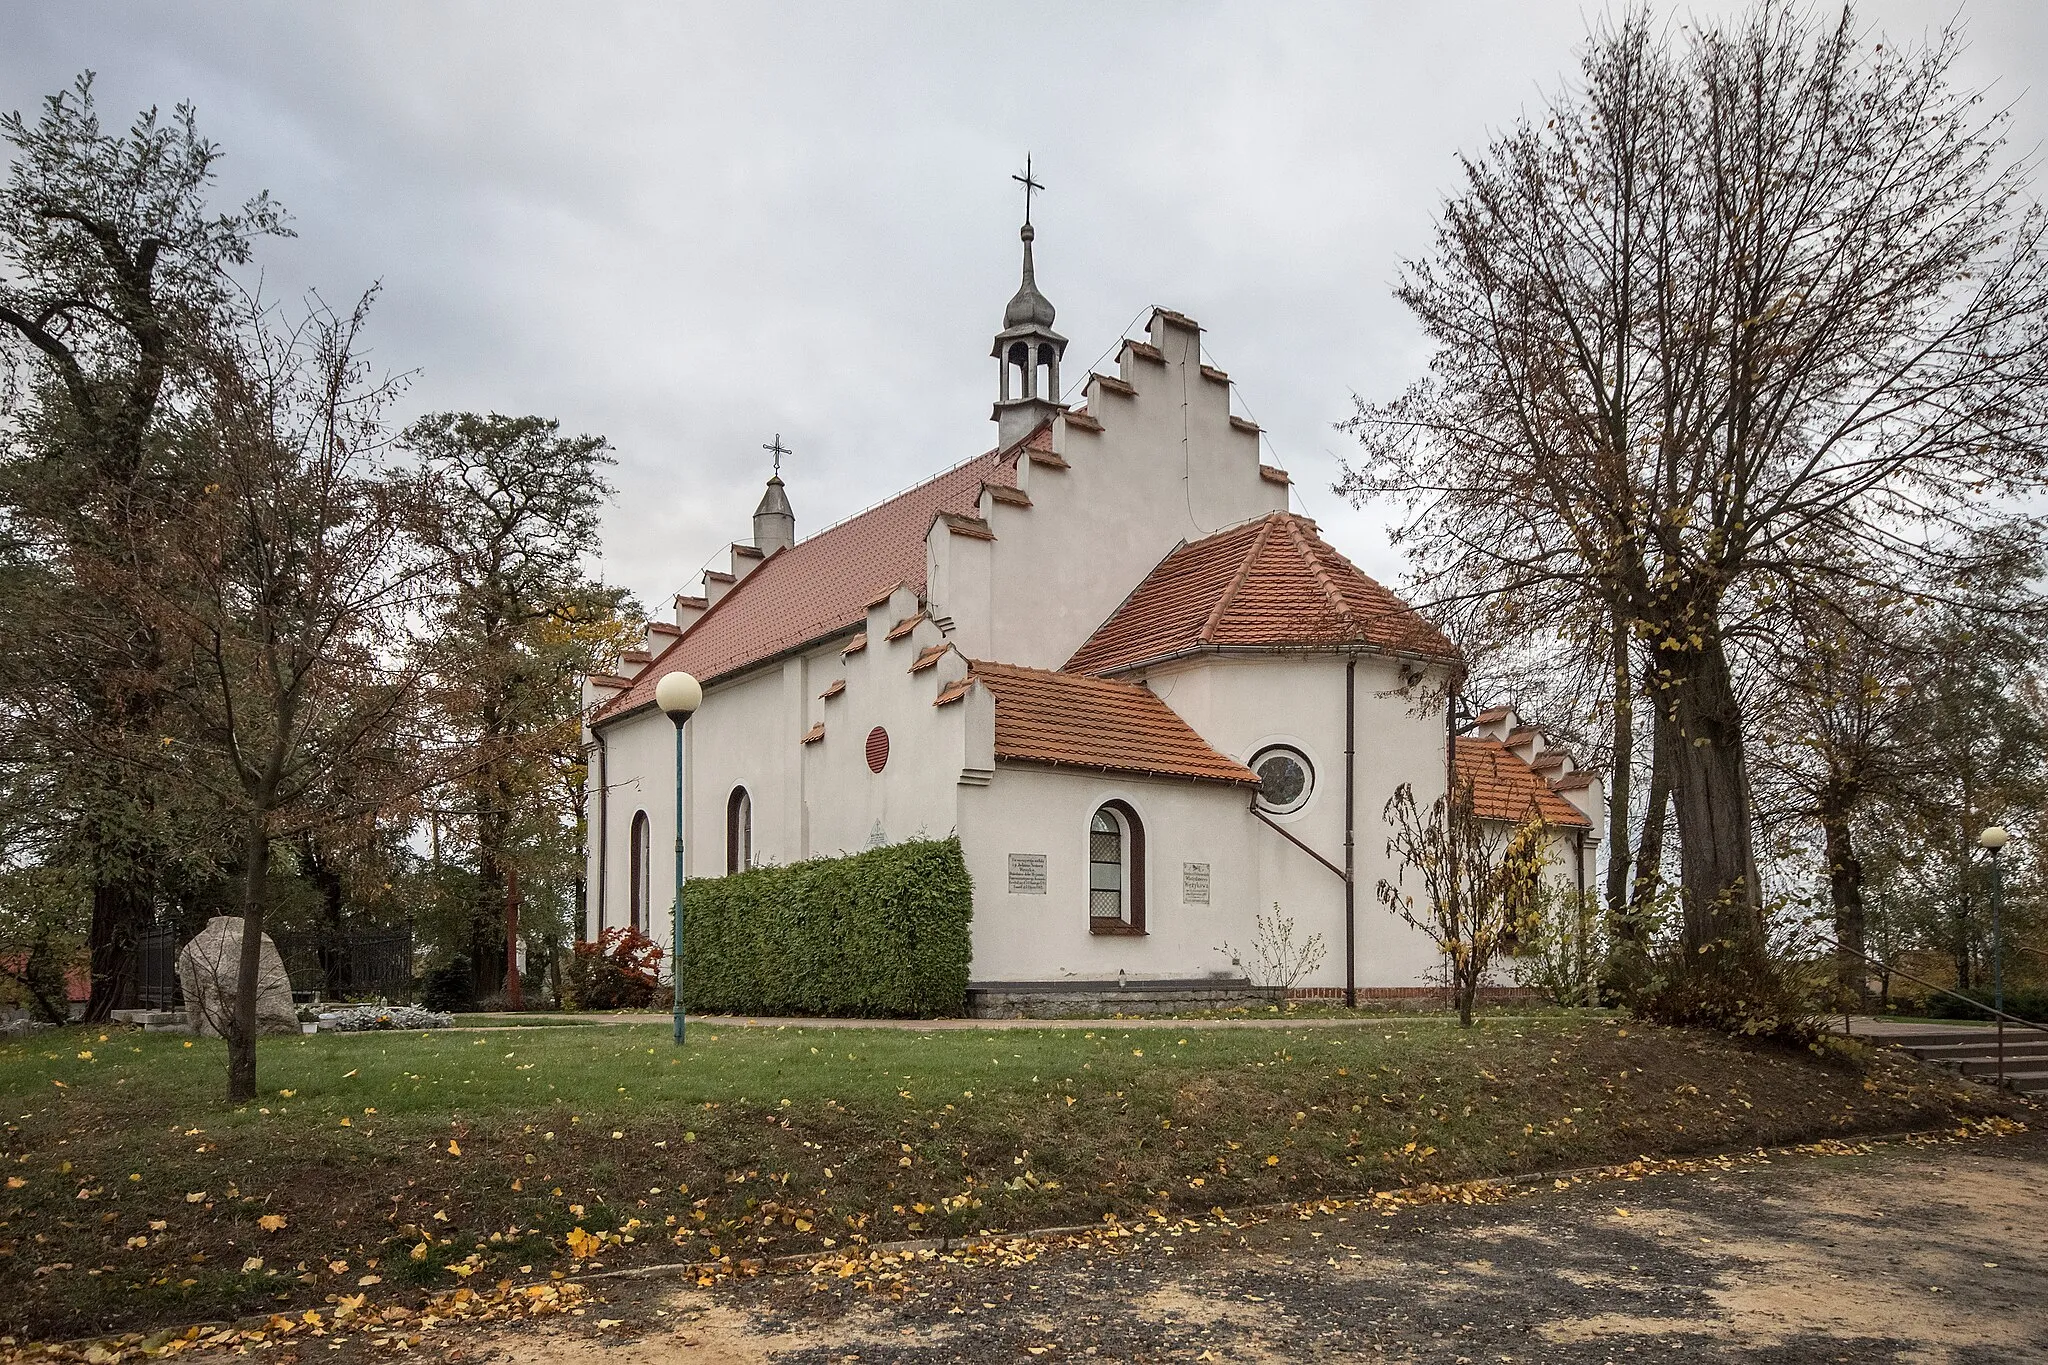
[[1027, 350]]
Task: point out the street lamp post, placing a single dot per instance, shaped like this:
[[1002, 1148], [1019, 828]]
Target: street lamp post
[[678, 695], [1993, 839]]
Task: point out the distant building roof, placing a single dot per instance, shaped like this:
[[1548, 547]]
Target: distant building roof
[[1505, 787], [1268, 582]]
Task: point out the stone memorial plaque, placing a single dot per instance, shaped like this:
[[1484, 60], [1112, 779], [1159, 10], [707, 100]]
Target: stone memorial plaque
[[1194, 883], [1027, 874]]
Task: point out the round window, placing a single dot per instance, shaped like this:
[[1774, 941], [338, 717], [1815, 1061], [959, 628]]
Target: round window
[[878, 749], [1285, 779]]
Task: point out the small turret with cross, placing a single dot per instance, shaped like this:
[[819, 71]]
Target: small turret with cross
[[1028, 349], [774, 522]]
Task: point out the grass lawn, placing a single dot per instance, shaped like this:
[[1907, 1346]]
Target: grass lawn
[[398, 1163]]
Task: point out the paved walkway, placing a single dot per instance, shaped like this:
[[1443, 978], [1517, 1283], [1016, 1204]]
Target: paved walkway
[[719, 1021], [1904, 1253]]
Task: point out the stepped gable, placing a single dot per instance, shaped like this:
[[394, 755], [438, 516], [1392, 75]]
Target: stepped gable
[[1073, 720], [1505, 787], [820, 586], [1272, 582]]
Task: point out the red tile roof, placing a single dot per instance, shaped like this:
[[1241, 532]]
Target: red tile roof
[[1079, 721], [821, 586], [1506, 788], [1272, 581]]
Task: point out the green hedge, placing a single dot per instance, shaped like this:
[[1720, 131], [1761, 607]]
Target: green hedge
[[876, 934]]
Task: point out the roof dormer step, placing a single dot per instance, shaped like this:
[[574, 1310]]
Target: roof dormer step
[[1210, 372], [1083, 419], [1274, 474], [1244, 424], [905, 626], [1145, 350], [1111, 384], [1009, 493], [973, 527]]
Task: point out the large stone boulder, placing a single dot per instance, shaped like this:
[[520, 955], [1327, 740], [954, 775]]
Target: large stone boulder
[[208, 969]]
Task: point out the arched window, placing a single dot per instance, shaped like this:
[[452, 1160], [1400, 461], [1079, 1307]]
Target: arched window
[[1116, 871], [1019, 367], [739, 831], [643, 870]]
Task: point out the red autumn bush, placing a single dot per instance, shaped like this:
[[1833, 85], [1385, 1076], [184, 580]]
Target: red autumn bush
[[620, 971]]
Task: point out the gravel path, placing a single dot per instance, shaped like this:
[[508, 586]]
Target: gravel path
[[1923, 1253]]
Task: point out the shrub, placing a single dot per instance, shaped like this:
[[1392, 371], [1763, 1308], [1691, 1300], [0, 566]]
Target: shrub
[[370, 1018], [2024, 1002], [620, 971], [877, 934], [447, 987]]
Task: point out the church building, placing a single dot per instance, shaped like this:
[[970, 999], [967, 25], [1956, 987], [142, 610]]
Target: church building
[[1152, 701]]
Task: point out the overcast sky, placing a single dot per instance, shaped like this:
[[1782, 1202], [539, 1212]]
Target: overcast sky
[[691, 227]]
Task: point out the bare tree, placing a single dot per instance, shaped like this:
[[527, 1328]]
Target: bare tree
[[1481, 882], [292, 594], [1737, 300]]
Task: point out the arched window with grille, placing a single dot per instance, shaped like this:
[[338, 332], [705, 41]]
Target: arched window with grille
[[643, 870], [1116, 870], [739, 831]]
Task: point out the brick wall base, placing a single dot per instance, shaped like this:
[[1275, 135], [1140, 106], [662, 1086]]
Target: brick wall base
[[1419, 997]]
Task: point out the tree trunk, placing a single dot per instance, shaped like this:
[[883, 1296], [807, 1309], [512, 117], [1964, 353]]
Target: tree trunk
[[120, 911], [1962, 938], [515, 988], [1722, 929], [333, 947], [1845, 893], [1649, 859], [1623, 762], [249, 971]]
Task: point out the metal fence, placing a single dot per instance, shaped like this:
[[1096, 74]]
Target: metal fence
[[336, 965], [329, 965], [157, 949]]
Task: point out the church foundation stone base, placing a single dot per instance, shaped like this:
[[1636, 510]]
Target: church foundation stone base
[[1082, 999]]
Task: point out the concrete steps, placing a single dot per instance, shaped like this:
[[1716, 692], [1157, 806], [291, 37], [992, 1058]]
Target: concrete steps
[[1974, 1052]]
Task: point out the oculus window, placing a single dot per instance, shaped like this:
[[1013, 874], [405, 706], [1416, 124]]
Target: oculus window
[[1286, 779]]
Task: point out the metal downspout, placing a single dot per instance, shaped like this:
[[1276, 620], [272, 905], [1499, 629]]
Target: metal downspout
[[1350, 832], [604, 826]]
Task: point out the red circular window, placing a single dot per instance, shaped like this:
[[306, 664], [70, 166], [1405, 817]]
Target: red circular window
[[878, 749]]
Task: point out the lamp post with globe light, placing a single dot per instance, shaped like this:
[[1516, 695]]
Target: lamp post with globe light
[[1993, 840], [678, 695]]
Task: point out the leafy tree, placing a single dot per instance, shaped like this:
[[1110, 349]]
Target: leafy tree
[[1731, 304], [508, 507], [1981, 758], [110, 262]]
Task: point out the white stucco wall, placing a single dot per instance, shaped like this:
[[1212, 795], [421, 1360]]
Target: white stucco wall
[[1243, 703], [1042, 810], [1168, 466]]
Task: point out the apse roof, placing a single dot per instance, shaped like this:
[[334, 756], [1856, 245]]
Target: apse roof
[[1272, 582]]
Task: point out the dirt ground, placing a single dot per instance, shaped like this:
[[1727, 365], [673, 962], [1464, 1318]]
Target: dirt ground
[[1901, 1252]]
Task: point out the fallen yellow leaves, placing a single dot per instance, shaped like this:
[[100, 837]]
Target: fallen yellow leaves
[[272, 1222], [392, 1325]]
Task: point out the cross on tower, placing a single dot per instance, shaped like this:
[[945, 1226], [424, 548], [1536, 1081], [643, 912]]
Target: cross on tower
[[776, 448], [1029, 185]]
